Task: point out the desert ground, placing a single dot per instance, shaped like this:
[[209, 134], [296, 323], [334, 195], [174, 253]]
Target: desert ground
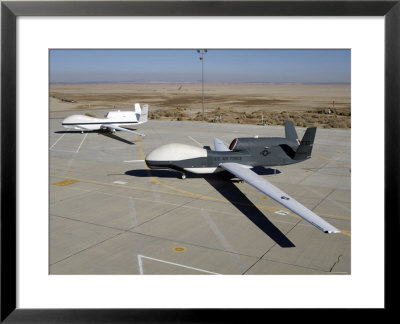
[[321, 105]]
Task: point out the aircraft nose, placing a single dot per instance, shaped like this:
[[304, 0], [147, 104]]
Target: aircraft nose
[[169, 154], [156, 158], [153, 156], [163, 153], [66, 122]]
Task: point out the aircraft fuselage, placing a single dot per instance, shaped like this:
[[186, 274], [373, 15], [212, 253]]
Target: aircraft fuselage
[[247, 151], [83, 122]]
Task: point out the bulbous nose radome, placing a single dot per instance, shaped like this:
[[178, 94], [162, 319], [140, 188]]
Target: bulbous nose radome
[[159, 154], [173, 152], [66, 122]]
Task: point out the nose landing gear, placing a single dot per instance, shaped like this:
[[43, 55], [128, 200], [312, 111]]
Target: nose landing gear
[[183, 176]]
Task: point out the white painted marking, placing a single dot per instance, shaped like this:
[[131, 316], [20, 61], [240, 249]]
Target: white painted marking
[[139, 257], [225, 243], [216, 231], [282, 212], [57, 140], [64, 151], [175, 264], [132, 212], [120, 182], [81, 143], [195, 141], [134, 161], [340, 272]]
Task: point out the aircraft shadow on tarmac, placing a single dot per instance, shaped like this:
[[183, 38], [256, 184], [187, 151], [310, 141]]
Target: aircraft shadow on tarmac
[[163, 173], [143, 173], [104, 133], [244, 205], [70, 132], [222, 183], [117, 138]]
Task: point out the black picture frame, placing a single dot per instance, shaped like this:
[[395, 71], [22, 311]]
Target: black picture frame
[[10, 10]]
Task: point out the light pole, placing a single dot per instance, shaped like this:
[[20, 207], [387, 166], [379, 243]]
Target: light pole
[[202, 52]]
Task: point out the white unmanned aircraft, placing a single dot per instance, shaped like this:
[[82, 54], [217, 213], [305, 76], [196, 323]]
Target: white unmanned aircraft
[[112, 121]]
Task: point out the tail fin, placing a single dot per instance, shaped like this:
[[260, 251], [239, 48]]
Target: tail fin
[[290, 131], [304, 150], [138, 110], [142, 118]]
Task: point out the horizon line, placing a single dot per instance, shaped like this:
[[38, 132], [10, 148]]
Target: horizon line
[[190, 82]]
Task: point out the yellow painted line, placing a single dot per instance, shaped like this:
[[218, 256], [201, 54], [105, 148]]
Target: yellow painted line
[[331, 160], [65, 182], [345, 233], [334, 216], [264, 197], [179, 249], [155, 180]]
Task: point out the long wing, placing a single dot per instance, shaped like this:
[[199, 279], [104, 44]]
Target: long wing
[[113, 127], [220, 146], [253, 179]]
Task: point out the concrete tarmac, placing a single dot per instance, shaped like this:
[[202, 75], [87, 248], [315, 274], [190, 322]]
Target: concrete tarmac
[[109, 214]]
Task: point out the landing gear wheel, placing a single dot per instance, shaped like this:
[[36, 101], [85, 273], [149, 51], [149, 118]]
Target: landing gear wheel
[[183, 176]]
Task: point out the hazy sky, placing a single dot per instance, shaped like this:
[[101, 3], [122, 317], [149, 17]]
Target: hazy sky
[[300, 66]]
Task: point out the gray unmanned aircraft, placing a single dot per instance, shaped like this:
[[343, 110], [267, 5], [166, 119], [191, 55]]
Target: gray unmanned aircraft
[[239, 158]]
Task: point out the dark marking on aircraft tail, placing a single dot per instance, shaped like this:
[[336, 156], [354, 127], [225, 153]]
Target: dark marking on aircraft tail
[[288, 150], [305, 148]]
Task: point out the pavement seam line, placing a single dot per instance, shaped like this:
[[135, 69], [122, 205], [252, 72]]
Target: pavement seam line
[[130, 231], [273, 245], [167, 212], [85, 249]]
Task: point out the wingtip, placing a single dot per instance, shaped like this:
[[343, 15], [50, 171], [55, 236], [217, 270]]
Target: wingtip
[[332, 232]]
